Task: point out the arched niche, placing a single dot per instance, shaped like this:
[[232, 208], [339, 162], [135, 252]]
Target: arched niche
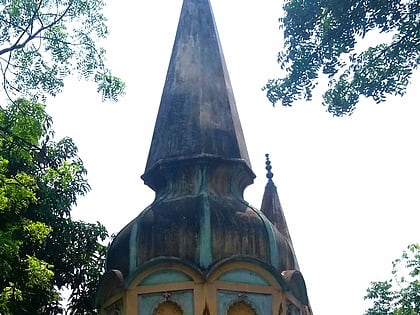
[[292, 309], [243, 303], [168, 308], [241, 308], [166, 303], [297, 285], [243, 283], [114, 309]]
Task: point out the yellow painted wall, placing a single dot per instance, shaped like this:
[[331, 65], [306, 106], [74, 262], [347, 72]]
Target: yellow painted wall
[[205, 291]]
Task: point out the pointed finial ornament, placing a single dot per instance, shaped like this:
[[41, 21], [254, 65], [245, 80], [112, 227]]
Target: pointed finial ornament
[[268, 167]]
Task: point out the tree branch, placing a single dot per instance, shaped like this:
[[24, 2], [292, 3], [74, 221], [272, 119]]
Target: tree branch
[[16, 45], [413, 42], [34, 35], [31, 146]]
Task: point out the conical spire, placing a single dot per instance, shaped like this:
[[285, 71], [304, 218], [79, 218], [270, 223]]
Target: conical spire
[[197, 115], [272, 208], [199, 228]]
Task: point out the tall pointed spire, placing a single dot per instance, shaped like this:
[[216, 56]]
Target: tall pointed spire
[[199, 247], [272, 208], [197, 115]]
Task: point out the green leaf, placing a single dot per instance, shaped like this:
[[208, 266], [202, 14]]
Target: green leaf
[[320, 37]]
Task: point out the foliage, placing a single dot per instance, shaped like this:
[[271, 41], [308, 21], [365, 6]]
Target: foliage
[[320, 37], [401, 294], [43, 41], [42, 249]]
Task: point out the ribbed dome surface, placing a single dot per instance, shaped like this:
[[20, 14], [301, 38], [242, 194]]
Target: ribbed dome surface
[[209, 223]]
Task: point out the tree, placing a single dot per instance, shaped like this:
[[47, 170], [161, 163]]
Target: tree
[[401, 294], [42, 249], [43, 41], [320, 37]]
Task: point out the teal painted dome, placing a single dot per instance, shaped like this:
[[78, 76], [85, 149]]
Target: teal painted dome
[[203, 224]]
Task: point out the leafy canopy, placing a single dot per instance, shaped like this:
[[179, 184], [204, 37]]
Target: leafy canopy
[[43, 41], [320, 37], [42, 249], [401, 294]]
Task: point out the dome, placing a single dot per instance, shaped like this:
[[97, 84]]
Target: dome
[[201, 225]]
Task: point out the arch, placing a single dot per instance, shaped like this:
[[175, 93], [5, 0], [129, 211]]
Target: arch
[[164, 264], [111, 284], [241, 308], [240, 303], [297, 285], [292, 309], [168, 308], [265, 272], [162, 276], [170, 302]]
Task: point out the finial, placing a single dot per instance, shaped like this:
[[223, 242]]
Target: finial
[[268, 167]]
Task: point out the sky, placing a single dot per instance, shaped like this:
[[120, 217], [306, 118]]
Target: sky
[[349, 186]]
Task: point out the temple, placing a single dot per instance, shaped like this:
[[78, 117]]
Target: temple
[[200, 248]]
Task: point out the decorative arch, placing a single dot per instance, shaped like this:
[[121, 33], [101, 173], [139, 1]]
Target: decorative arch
[[241, 308], [264, 274], [111, 285], [179, 270], [297, 285], [168, 308]]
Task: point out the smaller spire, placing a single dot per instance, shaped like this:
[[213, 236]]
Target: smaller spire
[[272, 208]]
